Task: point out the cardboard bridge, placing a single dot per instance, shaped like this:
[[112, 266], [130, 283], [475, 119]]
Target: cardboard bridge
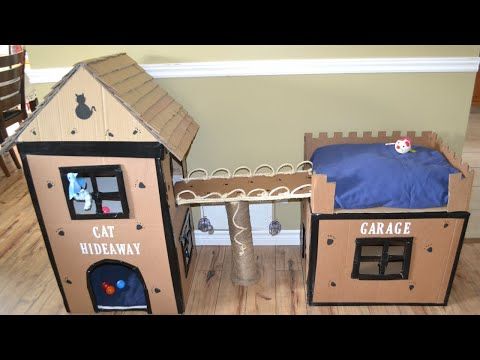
[[236, 190]]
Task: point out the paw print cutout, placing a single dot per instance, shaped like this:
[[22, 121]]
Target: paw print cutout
[[330, 241], [428, 248], [139, 184]]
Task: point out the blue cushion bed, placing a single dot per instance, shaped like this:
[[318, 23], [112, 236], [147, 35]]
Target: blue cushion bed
[[375, 175]]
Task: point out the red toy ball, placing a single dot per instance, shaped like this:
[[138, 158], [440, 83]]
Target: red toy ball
[[110, 290], [105, 210], [105, 285]]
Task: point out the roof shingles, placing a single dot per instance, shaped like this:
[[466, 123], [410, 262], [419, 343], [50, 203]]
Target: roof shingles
[[137, 91], [166, 119]]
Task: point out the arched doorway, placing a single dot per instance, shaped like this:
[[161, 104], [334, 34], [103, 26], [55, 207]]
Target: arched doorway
[[117, 286]]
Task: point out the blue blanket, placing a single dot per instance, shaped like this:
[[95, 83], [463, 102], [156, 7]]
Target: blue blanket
[[371, 175]]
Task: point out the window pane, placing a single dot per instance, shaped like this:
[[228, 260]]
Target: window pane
[[107, 184], [79, 208], [394, 268], [372, 250], [370, 268], [79, 205], [396, 250], [112, 207]]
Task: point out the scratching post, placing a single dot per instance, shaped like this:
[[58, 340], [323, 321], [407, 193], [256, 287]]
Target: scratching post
[[244, 268]]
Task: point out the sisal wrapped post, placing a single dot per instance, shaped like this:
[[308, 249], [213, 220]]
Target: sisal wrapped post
[[244, 267]]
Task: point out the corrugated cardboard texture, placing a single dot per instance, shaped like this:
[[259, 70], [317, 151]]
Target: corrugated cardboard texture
[[144, 204], [429, 271], [148, 112]]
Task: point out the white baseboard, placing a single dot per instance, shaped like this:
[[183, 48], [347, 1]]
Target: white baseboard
[[260, 238]]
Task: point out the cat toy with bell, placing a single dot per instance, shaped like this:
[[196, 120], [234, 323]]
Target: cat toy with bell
[[403, 146], [204, 224], [275, 227]]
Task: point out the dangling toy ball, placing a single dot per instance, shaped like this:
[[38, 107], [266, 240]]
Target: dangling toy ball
[[120, 284], [105, 210], [210, 230], [105, 285], [275, 227], [110, 290], [402, 146], [204, 224]]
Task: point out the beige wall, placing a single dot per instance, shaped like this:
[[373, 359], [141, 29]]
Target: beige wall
[[251, 120]]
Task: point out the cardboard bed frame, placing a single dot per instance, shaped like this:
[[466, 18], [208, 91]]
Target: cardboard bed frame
[[382, 255]]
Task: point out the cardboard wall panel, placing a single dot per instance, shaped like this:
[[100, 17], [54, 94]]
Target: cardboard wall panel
[[435, 245], [144, 204]]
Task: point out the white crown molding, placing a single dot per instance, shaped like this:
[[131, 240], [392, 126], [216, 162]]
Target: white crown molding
[[288, 67], [260, 238]]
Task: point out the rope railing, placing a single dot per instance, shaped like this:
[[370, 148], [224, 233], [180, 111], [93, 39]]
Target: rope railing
[[234, 174], [239, 194]]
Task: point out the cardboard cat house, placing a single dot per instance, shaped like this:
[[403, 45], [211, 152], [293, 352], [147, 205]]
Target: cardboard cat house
[[383, 255], [100, 156], [104, 158]]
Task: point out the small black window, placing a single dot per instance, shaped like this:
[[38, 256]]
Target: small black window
[[186, 241], [95, 192], [382, 259]]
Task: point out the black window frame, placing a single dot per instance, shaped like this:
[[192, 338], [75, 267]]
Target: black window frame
[[92, 172], [383, 259], [186, 241]]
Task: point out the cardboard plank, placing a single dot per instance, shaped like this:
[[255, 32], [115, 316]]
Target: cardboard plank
[[125, 86], [148, 99]]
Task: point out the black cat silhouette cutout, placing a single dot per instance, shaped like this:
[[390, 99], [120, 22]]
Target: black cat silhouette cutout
[[82, 110]]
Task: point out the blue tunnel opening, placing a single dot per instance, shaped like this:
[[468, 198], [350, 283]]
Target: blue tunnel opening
[[117, 286]]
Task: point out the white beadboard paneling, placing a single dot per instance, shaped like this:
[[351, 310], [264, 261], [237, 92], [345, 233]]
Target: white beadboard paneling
[[288, 67]]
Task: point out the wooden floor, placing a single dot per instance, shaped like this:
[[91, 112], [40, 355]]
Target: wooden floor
[[28, 286]]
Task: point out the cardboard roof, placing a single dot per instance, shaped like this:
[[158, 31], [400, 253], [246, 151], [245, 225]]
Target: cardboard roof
[[140, 94]]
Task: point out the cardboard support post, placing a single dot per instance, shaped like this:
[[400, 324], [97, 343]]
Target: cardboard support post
[[244, 268]]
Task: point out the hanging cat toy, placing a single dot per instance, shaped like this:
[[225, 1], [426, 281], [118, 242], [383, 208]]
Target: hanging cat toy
[[77, 190], [403, 145]]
